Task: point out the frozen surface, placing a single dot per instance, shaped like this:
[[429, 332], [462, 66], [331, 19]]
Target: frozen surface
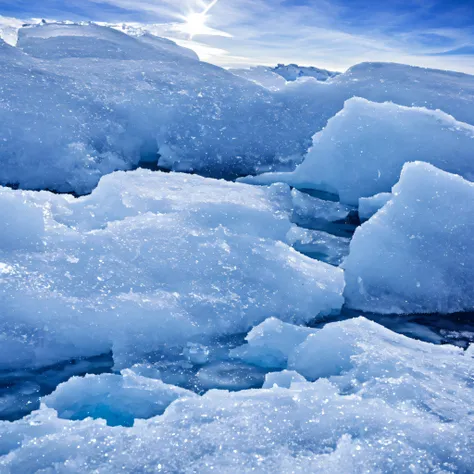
[[363, 148], [94, 100], [370, 205], [414, 255], [319, 244], [119, 399], [149, 260], [292, 72], [263, 76], [451, 92], [390, 404]]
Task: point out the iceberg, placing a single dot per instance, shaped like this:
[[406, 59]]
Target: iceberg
[[414, 256], [150, 261]]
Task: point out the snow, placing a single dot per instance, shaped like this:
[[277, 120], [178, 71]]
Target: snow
[[150, 260], [292, 72], [171, 322], [414, 256], [276, 78], [263, 76], [396, 405], [94, 100], [363, 148]]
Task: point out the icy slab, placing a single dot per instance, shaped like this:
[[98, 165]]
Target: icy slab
[[150, 260], [363, 148], [309, 210], [414, 255], [398, 405], [118, 399], [319, 244], [370, 205]]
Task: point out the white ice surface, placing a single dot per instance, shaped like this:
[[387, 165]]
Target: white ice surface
[[370, 205], [414, 255], [363, 148], [391, 404], [149, 260]]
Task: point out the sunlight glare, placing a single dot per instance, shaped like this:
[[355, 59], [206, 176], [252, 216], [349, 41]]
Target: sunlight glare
[[195, 24]]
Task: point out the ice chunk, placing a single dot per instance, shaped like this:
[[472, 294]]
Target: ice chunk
[[318, 244], [149, 261], [414, 255], [271, 343], [370, 205], [284, 379], [118, 399], [363, 148], [401, 406], [307, 210]]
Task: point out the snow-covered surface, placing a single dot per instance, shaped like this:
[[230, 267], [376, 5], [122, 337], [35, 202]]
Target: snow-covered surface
[[263, 76], [414, 255], [292, 72], [162, 275], [88, 100], [363, 148], [150, 259], [385, 403], [276, 78]]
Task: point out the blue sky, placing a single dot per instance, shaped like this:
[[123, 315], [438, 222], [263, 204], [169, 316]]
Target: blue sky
[[333, 34]]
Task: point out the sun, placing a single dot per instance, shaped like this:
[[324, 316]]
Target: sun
[[195, 24]]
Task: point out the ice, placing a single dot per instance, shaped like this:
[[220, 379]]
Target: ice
[[276, 78], [396, 405], [263, 76], [121, 101], [94, 100], [309, 210], [370, 205], [414, 256], [147, 262], [449, 91], [283, 379], [363, 148], [319, 244], [118, 399], [292, 72]]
